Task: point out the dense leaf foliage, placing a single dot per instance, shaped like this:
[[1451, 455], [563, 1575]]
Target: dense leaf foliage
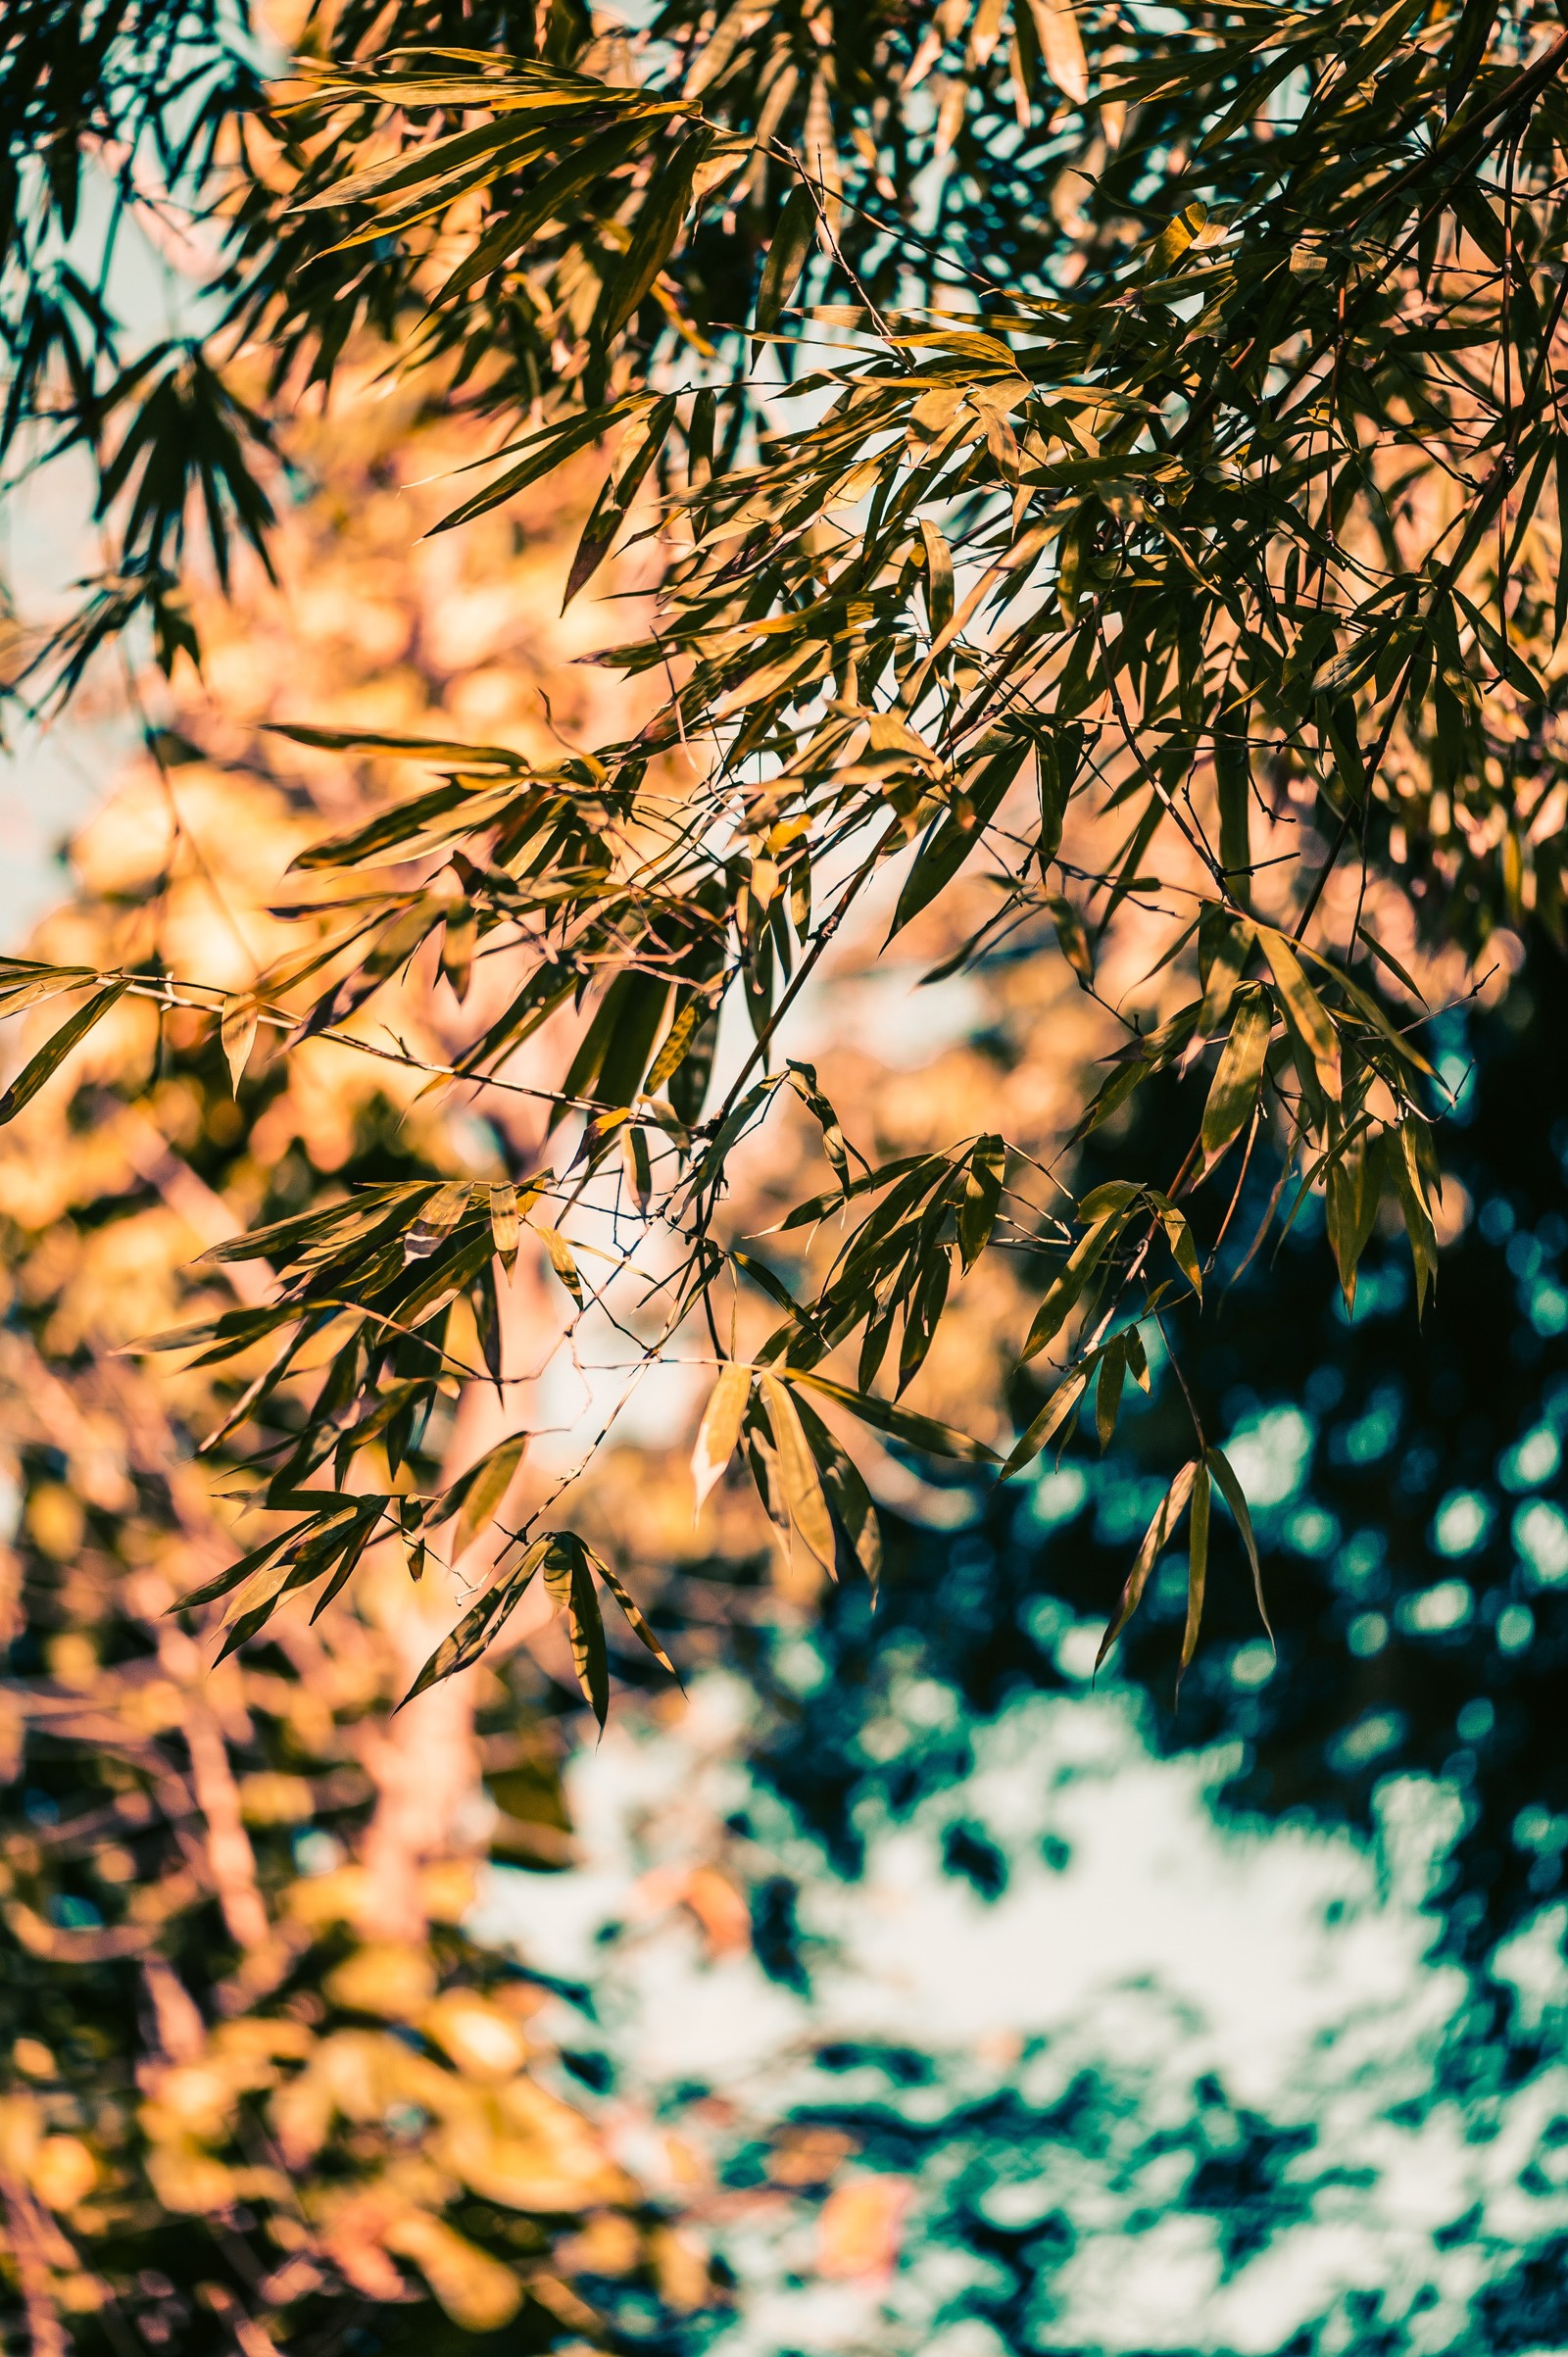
[[263, 2085], [1100, 472]]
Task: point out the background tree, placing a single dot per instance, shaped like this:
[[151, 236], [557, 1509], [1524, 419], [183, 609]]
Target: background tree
[[261, 2085]]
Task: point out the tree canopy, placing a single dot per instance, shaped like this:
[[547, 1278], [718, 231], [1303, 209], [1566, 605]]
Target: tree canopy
[[1093, 480]]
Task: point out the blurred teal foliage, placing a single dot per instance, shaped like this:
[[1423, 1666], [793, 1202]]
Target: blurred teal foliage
[[1407, 1485]]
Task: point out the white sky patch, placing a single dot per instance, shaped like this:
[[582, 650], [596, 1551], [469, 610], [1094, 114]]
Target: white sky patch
[[1290, 1966]]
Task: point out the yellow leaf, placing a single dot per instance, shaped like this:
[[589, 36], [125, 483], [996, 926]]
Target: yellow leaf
[[237, 1029], [720, 1430], [804, 1494], [1062, 46]]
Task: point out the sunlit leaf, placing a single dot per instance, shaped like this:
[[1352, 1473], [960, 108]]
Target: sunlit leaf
[[720, 1430]]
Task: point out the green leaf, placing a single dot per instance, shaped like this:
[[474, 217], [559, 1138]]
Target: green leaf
[[548, 448], [43, 1066], [847, 1492], [1196, 1567], [676, 1042], [1352, 1188], [1179, 1237], [899, 1423], [505, 1224], [1233, 1092], [1232, 775], [1305, 1013], [476, 1496], [1410, 1185], [663, 211], [643, 439], [982, 1197], [1235, 1498], [236, 1573], [438, 1217], [1071, 937], [1467, 49], [1049, 1422], [952, 838], [1062, 1294], [785, 260], [939, 598], [1161, 1529], [1108, 1388]]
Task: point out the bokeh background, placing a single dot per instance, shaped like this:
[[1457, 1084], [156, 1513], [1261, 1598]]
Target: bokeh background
[[891, 1984]]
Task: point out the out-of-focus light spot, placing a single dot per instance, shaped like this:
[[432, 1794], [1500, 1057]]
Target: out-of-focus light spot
[[1531, 1460], [1367, 1635], [1540, 1536], [801, 1667], [316, 1851], [1380, 1292], [1269, 1456], [1448, 1605], [1475, 1721], [1536, 1828], [1044, 1617], [1547, 1307], [73, 1914], [1461, 1523], [1313, 1531], [1125, 1508], [1361, 1563], [1373, 1433], [1495, 1220], [1524, 1254], [1253, 1665], [926, 1702], [1371, 1738], [1076, 1649], [1455, 1072], [1054, 1498], [1516, 1625]]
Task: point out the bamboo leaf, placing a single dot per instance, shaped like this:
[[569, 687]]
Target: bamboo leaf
[[785, 260], [1233, 1092], [561, 1259], [720, 1430], [1161, 1529], [476, 1496], [237, 1026], [1235, 1498], [634, 1618], [1044, 1428], [1303, 1010], [1071, 937], [658, 224], [1062, 46], [1108, 1389], [43, 1066], [804, 1496], [569, 1577], [915, 1431], [1062, 1294], [1196, 1567], [982, 1197], [481, 1626], [505, 1224]]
